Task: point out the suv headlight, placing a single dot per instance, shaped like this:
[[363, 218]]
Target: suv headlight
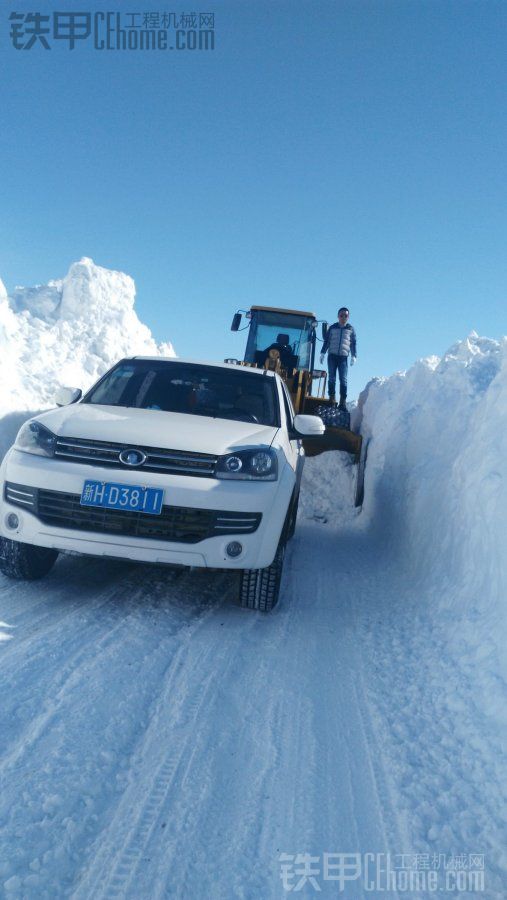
[[36, 438], [250, 465]]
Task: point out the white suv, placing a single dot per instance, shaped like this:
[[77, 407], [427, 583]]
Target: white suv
[[163, 461]]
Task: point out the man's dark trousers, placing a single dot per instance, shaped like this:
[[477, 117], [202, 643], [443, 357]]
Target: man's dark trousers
[[341, 363]]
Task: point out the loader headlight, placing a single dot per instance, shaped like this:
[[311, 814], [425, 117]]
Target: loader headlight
[[36, 438], [249, 465]]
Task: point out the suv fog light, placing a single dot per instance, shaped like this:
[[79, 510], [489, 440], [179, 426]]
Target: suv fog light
[[12, 521], [234, 549]]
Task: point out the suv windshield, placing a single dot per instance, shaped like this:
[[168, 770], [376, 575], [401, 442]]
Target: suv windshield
[[189, 388]]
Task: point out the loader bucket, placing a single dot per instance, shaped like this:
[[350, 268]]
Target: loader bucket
[[334, 439], [341, 439], [337, 435]]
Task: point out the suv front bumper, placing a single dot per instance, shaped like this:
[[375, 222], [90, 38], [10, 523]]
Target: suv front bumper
[[269, 499]]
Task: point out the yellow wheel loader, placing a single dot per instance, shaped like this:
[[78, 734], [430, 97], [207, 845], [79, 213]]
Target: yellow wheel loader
[[284, 340]]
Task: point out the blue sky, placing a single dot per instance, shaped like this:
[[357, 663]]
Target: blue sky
[[324, 154]]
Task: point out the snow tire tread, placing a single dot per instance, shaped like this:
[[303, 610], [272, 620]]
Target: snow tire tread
[[24, 562], [260, 588]]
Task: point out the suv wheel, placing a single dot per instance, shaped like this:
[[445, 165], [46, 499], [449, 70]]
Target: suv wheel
[[260, 588], [24, 561]]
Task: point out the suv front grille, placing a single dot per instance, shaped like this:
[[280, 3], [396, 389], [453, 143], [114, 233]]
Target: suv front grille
[[107, 453], [180, 524]]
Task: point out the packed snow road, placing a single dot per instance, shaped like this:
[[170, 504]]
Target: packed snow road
[[158, 741]]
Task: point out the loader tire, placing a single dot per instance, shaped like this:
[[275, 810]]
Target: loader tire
[[361, 468], [25, 562], [260, 588]]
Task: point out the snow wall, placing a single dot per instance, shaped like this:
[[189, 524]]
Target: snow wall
[[435, 504], [436, 481], [67, 332]]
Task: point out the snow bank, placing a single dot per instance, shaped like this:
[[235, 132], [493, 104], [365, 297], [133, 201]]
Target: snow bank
[[432, 538], [428, 553], [436, 490], [67, 332], [437, 465]]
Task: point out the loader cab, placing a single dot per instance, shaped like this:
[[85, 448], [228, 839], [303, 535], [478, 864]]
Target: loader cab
[[289, 332]]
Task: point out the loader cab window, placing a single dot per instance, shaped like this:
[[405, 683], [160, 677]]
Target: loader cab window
[[292, 335]]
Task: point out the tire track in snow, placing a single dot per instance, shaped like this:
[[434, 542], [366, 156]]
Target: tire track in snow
[[287, 732], [228, 801], [306, 776], [67, 676], [330, 777], [60, 725], [302, 778], [59, 600], [38, 606], [440, 746], [121, 844]]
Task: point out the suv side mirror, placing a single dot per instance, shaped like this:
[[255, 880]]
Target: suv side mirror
[[65, 396], [324, 331], [236, 322], [309, 426]]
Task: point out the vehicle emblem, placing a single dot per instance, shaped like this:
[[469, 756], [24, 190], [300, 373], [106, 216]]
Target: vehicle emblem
[[133, 457]]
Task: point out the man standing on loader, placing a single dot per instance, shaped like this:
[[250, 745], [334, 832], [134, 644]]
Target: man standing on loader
[[340, 341]]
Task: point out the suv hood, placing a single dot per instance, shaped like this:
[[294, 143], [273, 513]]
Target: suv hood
[[154, 428]]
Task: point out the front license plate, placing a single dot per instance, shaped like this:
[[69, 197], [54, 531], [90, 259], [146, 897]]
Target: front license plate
[[120, 496]]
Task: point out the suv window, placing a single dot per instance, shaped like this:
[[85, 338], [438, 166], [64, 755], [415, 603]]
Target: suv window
[[189, 388], [289, 409]]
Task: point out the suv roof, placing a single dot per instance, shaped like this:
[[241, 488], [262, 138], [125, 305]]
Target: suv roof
[[203, 362]]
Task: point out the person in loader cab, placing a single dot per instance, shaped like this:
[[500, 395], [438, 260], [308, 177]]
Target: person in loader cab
[[340, 342], [283, 347]]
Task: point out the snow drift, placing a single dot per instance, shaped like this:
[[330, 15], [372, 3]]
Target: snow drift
[[67, 332], [437, 467], [432, 535], [436, 491]]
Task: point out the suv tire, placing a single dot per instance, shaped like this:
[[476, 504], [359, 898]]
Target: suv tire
[[24, 561], [260, 588]]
